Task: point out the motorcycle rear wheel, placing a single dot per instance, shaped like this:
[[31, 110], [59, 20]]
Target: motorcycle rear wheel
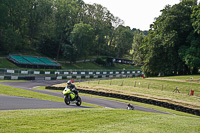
[[79, 101]]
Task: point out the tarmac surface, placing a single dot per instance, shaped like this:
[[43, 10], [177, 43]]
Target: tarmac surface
[[14, 102]]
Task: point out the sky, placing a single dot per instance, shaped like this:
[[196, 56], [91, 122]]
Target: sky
[[137, 14]]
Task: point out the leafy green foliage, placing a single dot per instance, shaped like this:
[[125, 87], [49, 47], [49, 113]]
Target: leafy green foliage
[[123, 41], [171, 46], [137, 47], [196, 18], [72, 29], [82, 39], [100, 61], [61, 29]]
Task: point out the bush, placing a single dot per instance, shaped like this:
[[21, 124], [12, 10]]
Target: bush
[[100, 61]]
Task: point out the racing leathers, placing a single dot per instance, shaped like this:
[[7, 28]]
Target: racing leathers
[[72, 87]]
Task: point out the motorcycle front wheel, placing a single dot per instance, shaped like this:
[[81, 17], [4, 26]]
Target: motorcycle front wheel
[[67, 100]]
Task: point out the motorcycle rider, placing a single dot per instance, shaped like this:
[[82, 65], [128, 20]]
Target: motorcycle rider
[[72, 87], [130, 106]]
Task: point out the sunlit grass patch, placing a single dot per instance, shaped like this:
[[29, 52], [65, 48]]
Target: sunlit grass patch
[[94, 120], [147, 88]]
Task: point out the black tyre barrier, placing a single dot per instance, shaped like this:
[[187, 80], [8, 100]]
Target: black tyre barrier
[[137, 99], [29, 78], [19, 77], [7, 77]]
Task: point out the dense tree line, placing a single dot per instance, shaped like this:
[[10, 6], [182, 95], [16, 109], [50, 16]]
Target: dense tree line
[[67, 29], [172, 45], [70, 29]]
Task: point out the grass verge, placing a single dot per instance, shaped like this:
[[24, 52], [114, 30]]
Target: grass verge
[[6, 90], [95, 120], [132, 102], [4, 63], [155, 92]]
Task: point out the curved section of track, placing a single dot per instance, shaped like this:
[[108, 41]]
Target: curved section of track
[[28, 85], [14, 103]]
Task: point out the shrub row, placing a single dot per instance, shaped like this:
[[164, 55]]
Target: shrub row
[[137, 99]]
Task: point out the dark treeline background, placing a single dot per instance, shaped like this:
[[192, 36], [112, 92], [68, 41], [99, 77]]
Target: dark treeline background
[[71, 29], [62, 29]]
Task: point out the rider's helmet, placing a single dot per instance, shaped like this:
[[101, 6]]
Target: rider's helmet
[[129, 104], [69, 82]]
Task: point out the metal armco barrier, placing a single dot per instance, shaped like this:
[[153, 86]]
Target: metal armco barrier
[[137, 99], [70, 72], [88, 76]]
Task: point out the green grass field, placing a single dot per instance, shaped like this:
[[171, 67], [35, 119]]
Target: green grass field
[[132, 102], [100, 119], [6, 90], [184, 77], [154, 84], [162, 90], [4, 63], [95, 120]]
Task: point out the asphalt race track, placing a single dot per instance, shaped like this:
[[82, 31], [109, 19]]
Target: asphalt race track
[[14, 102]]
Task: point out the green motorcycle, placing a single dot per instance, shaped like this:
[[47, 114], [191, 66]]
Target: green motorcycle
[[70, 96]]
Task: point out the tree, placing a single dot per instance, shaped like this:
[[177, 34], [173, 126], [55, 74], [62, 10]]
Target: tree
[[82, 39], [11, 30], [45, 26], [196, 19], [3, 23], [46, 40], [190, 53], [101, 21], [137, 47], [168, 33], [123, 41]]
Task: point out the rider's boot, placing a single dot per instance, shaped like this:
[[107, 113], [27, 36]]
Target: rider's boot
[[76, 97]]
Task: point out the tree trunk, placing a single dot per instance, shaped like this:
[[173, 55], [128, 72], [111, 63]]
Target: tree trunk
[[195, 70]]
